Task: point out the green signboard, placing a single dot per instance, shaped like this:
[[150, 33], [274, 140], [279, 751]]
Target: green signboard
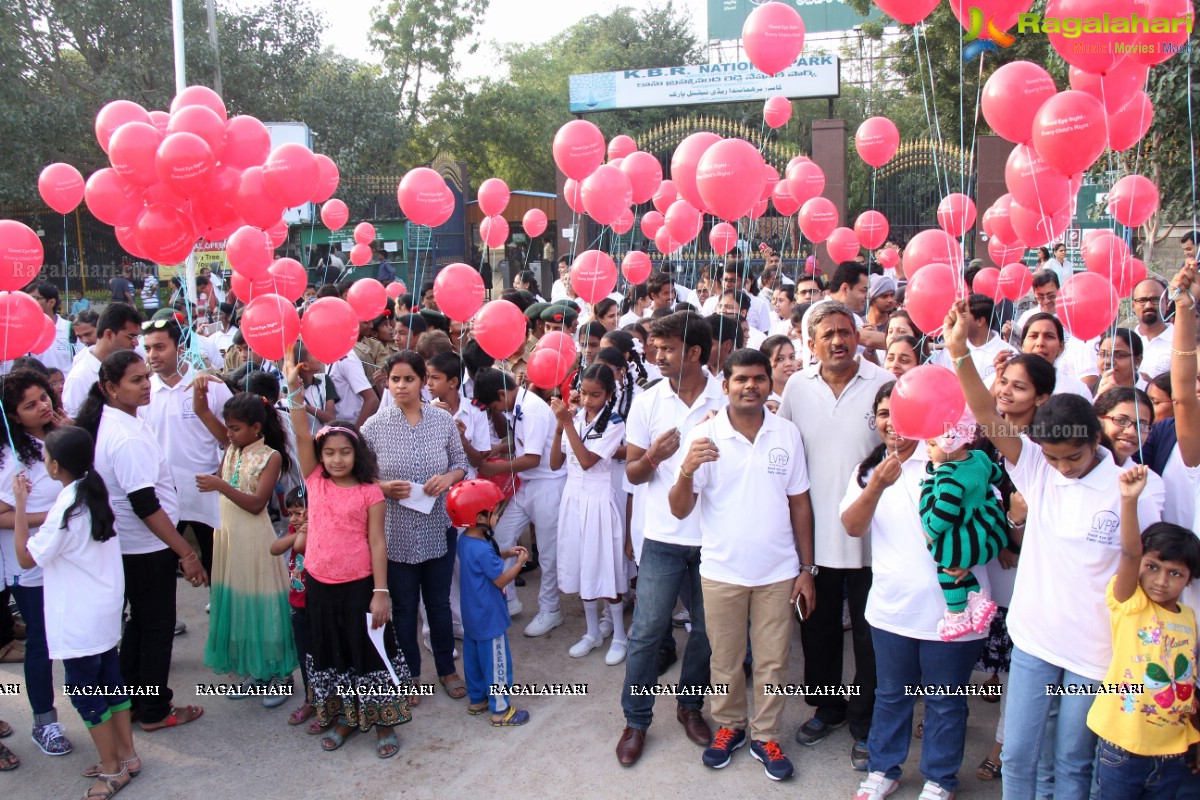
[[726, 17]]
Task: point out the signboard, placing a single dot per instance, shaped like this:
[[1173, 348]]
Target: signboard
[[420, 237], [726, 17], [810, 76], [297, 133]]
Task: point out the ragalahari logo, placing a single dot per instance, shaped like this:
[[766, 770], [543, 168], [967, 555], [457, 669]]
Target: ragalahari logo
[[981, 38]]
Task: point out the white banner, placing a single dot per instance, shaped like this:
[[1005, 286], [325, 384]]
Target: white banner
[[811, 76]]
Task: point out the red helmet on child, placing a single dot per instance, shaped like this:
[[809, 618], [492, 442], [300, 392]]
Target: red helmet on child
[[467, 500]]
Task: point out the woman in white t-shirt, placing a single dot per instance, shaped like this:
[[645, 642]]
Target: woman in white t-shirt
[[76, 546], [1058, 619], [1043, 335], [903, 609], [1119, 360]]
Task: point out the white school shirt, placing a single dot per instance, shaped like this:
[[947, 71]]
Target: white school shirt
[[59, 354], [84, 583], [759, 315], [837, 435], [41, 498], [129, 457], [190, 448], [654, 411], [479, 429], [1156, 352], [759, 475], [983, 356], [84, 372], [604, 445], [349, 379], [906, 598], [629, 318], [1069, 554], [533, 426]]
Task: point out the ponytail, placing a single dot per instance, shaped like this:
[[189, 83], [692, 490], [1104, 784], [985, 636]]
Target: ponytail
[[75, 450], [602, 374], [112, 370], [89, 414]]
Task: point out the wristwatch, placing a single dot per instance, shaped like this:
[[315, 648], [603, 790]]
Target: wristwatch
[[811, 569]]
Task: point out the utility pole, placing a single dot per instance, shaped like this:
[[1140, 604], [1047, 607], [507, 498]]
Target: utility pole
[[177, 32]]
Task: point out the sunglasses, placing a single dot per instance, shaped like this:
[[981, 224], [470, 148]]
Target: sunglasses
[[159, 324]]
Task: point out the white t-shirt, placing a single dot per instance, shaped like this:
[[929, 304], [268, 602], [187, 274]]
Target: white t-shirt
[[190, 448], [905, 597], [58, 355], [1181, 484], [1069, 554], [759, 315], [759, 475], [983, 356], [479, 429], [1156, 352], [558, 291], [84, 373], [533, 431], [128, 458], [838, 435], [41, 497], [84, 583], [629, 318], [349, 379], [653, 412]]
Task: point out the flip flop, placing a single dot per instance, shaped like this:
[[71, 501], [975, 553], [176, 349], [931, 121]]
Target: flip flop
[[384, 742], [511, 718], [177, 717], [315, 728], [6, 730], [454, 686], [301, 715], [8, 759], [338, 739], [988, 770]]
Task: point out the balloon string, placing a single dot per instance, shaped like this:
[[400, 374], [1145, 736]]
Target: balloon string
[[970, 177], [925, 100], [66, 275]]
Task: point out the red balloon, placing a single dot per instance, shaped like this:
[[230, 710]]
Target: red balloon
[[367, 297], [1087, 305], [645, 174], [773, 36], [665, 195], [987, 282], [1069, 131], [270, 325], [623, 223], [21, 255], [200, 96], [573, 194], [621, 146], [493, 196], [494, 231], [61, 186], [424, 197], [1036, 229], [723, 237], [1015, 281], [818, 217], [21, 324], [116, 114], [684, 163], [665, 242], [926, 402], [246, 290], [931, 247], [929, 295], [547, 369], [636, 267], [47, 336], [578, 148], [888, 257], [723, 178], [1123, 274], [956, 214], [871, 228], [1003, 254], [203, 122], [758, 209], [683, 222], [1096, 51], [606, 193], [1104, 250], [805, 181], [842, 244], [131, 152], [500, 328], [781, 198], [247, 143], [127, 238], [1133, 200], [876, 140], [395, 289], [364, 233], [328, 179], [770, 181], [288, 278], [1032, 183], [593, 275], [165, 234], [215, 205], [1128, 124], [777, 111], [329, 329], [459, 291], [360, 254], [249, 251], [907, 12], [1012, 119], [1000, 13], [185, 164], [252, 202], [112, 199], [278, 233], [1114, 88], [559, 342], [1001, 216], [1155, 48], [334, 214], [290, 174], [534, 222], [651, 222], [159, 119]]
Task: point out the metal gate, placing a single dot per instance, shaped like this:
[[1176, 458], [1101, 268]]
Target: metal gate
[[909, 188]]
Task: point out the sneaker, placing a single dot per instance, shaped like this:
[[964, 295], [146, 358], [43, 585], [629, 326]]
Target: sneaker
[[933, 791], [815, 730], [721, 750], [681, 619], [859, 756], [515, 607], [616, 652], [982, 610], [50, 739], [180, 627], [281, 697], [775, 763], [954, 625], [581, 648], [876, 787], [543, 623]]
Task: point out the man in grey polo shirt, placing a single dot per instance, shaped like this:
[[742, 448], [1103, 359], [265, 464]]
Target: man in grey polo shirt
[[831, 402]]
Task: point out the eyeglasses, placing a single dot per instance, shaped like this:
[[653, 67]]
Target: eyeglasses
[[1046, 298], [1125, 423], [1145, 301], [1118, 355]]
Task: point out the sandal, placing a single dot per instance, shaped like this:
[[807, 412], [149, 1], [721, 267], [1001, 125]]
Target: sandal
[[475, 709], [177, 717], [6, 730], [511, 718], [988, 770], [387, 746], [301, 715], [315, 728], [133, 765], [336, 738], [112, 785], [414, 699], [454, 686], [8, 759]]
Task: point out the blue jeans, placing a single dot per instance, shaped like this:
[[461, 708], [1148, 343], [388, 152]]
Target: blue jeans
[[39, 674], [428, 581], [1025, 724], [1121, 774], [664, 567], [102, 674], [900, 662]]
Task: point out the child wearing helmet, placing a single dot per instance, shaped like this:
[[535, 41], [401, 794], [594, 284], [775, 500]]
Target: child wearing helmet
[[487, 660]]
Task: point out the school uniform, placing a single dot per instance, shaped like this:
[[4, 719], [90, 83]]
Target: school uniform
[[349, 381]]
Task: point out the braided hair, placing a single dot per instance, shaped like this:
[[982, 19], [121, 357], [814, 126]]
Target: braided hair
[[603, 375], [611, 357], [624, 342]]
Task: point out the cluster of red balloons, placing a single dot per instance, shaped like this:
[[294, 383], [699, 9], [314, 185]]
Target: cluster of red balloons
[[552, 360]]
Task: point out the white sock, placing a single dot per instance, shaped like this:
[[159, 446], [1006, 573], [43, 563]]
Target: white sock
[[591, 613], [618, 620]]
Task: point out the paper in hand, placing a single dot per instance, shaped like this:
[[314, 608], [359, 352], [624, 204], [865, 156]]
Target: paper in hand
[[376, 635], [418, 501]]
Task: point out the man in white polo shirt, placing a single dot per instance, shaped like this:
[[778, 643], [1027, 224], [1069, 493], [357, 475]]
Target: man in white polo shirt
[[58, 355], [831, 403], [746, 458], [1156, 333], [982, 342], [357, 401], [117, 329], [658, 420]]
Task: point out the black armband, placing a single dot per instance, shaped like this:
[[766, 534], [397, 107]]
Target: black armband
[[144, 502]]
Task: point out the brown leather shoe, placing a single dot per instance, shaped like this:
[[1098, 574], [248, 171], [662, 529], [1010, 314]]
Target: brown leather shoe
[[694, 723], [629, 746]]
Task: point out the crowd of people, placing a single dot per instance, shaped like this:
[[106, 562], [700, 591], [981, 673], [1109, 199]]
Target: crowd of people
[[1046, 540]]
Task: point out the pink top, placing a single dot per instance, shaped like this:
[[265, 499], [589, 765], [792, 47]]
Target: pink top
[[336, 550]]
